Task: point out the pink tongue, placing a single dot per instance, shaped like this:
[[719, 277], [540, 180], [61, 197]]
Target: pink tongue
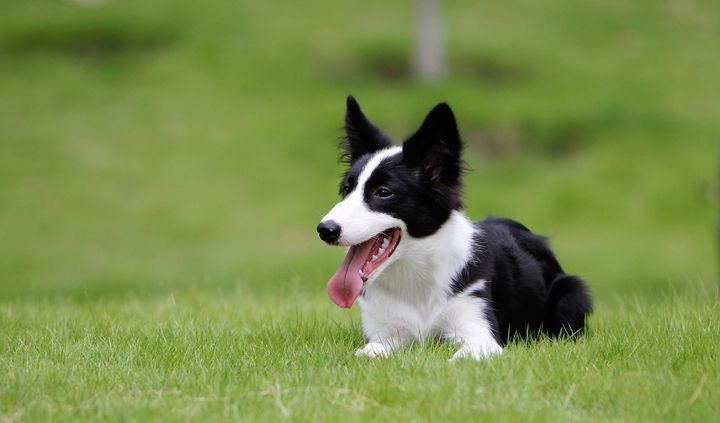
[[346, 284]]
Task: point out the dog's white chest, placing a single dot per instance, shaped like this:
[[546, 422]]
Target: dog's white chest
[[383, 313], [410, 298]]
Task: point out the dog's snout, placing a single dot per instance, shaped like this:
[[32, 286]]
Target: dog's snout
[[329, 231]]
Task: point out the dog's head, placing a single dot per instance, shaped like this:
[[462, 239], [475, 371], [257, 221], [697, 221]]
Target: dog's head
[[390, 194]]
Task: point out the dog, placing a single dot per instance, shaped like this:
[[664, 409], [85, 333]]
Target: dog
[[419, 268]]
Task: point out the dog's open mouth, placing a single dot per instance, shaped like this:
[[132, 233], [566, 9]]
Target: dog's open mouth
[[361, 262]]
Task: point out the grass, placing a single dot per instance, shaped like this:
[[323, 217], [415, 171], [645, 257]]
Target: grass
[[208, 357], [163, 166]]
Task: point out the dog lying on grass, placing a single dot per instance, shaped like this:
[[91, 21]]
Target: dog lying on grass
[[419, 268]]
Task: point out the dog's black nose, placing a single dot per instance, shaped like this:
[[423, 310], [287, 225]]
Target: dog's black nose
[[329, 231]]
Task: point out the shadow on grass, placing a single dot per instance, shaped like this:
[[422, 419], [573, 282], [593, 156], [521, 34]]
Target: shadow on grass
[[391, 62], [85, 39], [561, 138]]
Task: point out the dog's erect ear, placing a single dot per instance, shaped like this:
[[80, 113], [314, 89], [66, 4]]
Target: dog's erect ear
[[361, 136], [435, 148]]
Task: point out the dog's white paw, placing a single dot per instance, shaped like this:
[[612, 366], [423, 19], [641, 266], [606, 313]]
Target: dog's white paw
[[373, 350], [477, 352]]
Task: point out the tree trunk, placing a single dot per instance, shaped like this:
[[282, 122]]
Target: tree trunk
[[429, 61]]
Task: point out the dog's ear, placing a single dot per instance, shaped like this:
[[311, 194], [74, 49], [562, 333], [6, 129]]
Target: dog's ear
[[436, 147], [361, 136]]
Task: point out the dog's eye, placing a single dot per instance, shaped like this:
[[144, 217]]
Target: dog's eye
[[383, 192], [345, 190]]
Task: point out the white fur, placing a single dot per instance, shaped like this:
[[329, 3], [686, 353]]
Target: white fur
[[406, 299], [373, 350]]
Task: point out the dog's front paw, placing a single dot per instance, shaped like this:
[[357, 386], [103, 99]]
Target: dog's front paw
[[477, 352], [373, 350]]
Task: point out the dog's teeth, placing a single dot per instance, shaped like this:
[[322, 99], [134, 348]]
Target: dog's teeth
[[374, 256], [385, 243]]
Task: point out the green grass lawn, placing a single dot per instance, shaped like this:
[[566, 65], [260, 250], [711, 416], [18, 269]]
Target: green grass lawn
[[206, 356], [163, 166]]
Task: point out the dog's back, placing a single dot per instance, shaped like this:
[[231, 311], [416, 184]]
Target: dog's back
[[528, 291]]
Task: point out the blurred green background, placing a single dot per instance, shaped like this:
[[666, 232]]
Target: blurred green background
[[180, 146]]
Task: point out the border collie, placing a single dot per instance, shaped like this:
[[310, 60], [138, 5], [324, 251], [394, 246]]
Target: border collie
[[420, 268]]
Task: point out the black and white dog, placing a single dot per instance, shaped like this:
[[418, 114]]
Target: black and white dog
[[423, 269]]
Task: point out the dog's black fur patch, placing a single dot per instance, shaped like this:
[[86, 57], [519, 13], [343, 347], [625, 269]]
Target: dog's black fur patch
[[527, 291], [361, 136]]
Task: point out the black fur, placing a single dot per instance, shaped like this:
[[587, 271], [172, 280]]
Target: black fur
[[361, 136], [435, 151], [527, 290]]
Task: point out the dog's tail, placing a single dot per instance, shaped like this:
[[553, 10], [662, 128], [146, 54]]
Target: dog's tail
[[568, 306]]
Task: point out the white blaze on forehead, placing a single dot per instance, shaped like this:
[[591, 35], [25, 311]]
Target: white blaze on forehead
[[357, 222], [373, 163]]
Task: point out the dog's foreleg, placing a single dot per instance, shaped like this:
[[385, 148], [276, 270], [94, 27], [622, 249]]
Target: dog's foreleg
[[374, 350], [477, 349], [465, 323], [380, 346], [378, 349]]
